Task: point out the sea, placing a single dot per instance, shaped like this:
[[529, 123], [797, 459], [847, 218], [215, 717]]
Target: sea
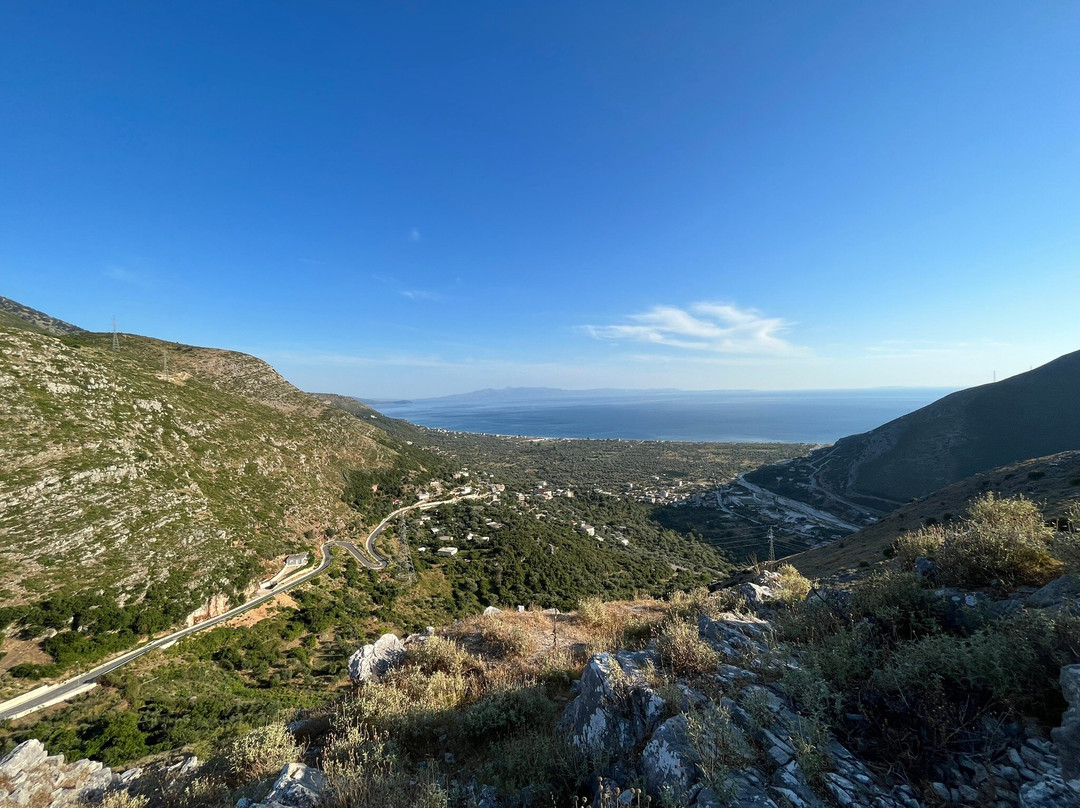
[[802, 416]]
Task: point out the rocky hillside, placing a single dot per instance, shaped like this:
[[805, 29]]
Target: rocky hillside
[[718, 701], [1053, 482], [16, 314], [1029, 415], [118, 479]]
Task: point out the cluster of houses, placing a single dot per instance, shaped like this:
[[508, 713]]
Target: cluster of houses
[[543, 491], [653, 493], [438, 532]]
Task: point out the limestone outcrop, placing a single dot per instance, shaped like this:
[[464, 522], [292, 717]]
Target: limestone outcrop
[[375, 659]]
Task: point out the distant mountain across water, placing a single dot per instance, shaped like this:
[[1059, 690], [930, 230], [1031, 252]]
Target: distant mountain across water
[[806, 416]]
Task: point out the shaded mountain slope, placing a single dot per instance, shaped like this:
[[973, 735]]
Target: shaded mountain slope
[[1033, 414], [17, 315], [1052, 482]]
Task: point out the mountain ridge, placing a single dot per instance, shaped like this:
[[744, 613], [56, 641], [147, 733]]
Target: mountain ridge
[[1025, 416], [16, 314]]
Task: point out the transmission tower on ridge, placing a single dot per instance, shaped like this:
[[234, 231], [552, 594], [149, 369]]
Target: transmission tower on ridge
[[115, 338], [772, 546]]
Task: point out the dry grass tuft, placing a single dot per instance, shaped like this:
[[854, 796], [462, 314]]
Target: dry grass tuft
[[261, 753], [682, 651]]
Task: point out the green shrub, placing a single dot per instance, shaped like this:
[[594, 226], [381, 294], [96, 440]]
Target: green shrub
[[363, 770], [501, 641], [682, 651], [896, 602], [924, 543], [720, 748], [810, 738], [122, 799], [1011, 665], [261, 753], [498, 713], [537, 760], [688, 605], [794, 586], [441, 655], [1066, 544], [1004, 539]]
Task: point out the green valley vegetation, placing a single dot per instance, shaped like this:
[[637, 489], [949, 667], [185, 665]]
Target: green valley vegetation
[[217, 686], [616, 465]]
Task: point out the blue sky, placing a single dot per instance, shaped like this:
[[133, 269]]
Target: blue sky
[[410, 199]]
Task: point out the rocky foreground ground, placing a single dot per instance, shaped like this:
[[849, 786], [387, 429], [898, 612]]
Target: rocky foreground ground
[[726, 737]]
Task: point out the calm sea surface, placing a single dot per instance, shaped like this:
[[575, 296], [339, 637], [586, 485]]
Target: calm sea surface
[[802, 416]]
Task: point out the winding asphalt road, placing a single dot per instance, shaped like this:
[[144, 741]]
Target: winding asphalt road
[[794, 505], [370, 558]]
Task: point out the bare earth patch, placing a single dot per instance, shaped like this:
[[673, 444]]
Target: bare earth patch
[[19, 651], [268, 609]]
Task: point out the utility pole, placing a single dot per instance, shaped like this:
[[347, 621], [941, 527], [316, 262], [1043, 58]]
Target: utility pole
[[115, 338], [772, 547], [165, 361]]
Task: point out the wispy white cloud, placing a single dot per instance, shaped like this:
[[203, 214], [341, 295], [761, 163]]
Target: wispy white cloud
[[420, 294], [918, 348], [713, 327], [414, 234]]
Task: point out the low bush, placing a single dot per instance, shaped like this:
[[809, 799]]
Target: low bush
[[925, 543], [794, 586], [536, 761], [441, 655], [503, 641], [497, 714], [688, 605], [363, 770], [593, 612], [121, 799], [261, 753], [720, 748], [810, 739], [682, 651], [1002, 539]]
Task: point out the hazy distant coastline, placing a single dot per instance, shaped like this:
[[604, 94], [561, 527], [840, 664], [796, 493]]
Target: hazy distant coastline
[[803, 416]]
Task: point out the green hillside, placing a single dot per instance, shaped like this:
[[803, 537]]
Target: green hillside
[[122, 484]]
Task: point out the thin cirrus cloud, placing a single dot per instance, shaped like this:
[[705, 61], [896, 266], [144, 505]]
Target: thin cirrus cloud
[[721, 328], [420, 294]]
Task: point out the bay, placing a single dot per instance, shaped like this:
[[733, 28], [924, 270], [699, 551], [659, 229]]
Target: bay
[[814, 416]]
